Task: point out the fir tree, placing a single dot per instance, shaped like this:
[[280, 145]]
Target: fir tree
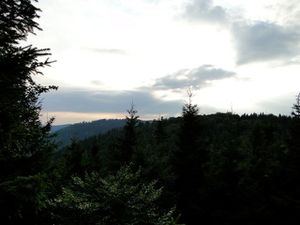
[[296, 107], [293, 162], [129, 140], [24, 142], [187, 163]]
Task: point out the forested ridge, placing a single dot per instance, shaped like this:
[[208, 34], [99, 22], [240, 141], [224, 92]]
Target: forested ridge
[[79, 131], [240, 169], [214, 169]]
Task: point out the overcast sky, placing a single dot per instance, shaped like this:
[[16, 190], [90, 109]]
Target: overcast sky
[[235, 55]]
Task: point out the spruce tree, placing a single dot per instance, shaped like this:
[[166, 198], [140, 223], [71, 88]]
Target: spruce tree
[[293, 163], [187, 163], [296, 107], [129, 139], [159, 132], [24, 142]]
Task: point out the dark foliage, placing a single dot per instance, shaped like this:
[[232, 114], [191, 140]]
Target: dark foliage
[[118, 199], [296, 107], [24, 142], [232, 169], [128, 140], [187, 162]]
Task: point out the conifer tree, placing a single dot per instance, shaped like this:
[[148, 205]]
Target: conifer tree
[[159, 132], [24, 142], [129, 139], [121, 199], [293, 165], [187, 163], [296, 107]]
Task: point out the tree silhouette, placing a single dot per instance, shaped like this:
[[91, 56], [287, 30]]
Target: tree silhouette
[[129, 139], [187, 162], [292, 182], [159, 132], [296, 107], [24, 142]]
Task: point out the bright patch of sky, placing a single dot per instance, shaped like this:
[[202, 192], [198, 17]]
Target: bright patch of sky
[[236, 55]]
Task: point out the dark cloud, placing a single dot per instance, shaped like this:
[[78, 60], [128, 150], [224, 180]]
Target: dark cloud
[[255, 41], [107, 101], [264, 41], [198, 77], [108, 51], [75, 100], [205, 11]]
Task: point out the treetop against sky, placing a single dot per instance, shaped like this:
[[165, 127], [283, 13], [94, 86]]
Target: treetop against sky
[[233, 54]]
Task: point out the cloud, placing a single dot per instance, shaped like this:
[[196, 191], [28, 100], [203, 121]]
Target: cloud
[[115, 51], [262, 41], [205, 11], [72, 100], [197, 77], [287, 12], [255, 41], [93, 103]]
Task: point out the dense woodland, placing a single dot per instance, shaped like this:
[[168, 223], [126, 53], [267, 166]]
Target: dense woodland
[[195, 169]]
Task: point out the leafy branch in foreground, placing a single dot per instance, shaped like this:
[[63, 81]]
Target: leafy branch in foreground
[[119, 199]]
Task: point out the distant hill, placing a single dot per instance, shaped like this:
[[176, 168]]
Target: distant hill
[[64, 134], [55, 128]]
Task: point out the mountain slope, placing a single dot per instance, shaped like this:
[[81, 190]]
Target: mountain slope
[[55, 128], [80, 131]]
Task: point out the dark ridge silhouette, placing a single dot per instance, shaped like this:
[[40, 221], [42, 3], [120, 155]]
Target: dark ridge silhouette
[[83, 130], [56, 128]]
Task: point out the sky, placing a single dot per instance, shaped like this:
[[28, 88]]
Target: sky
[[235, 55]]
